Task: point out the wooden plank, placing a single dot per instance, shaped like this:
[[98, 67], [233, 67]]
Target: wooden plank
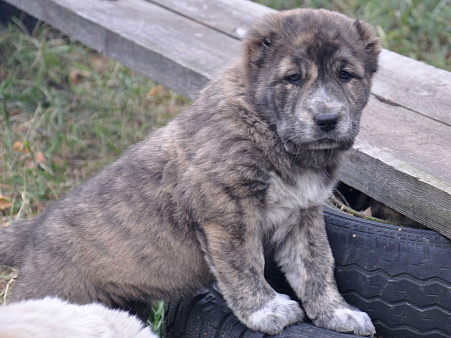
[[407, 189], [415, 139], [174, 51], [387, 164], [401, 81], [414, 85], [232, 17]]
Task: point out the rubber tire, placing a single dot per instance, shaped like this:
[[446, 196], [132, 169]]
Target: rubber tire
[[401, 277]]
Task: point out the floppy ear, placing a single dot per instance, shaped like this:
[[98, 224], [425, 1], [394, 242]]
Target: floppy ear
[[260, 38], [372, 44]]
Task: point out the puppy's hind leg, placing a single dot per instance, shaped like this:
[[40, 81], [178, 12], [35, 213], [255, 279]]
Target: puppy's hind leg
[[307, 261]]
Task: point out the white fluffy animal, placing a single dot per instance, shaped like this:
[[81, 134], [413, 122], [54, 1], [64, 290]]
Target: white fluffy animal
[[52, 318]]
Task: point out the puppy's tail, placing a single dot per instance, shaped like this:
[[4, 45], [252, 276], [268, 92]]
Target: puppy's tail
[[13, 243]]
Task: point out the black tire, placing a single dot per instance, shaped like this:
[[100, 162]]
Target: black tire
[[207, 315], [401, 277]]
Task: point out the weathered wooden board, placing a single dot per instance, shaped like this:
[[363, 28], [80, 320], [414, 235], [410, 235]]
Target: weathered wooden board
[[415, 85], [396, 183], [391, 164], [232, 17], [143, 36], [413, 138], [402, 156], [400, 81]]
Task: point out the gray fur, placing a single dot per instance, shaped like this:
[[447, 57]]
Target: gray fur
[[196, 201]]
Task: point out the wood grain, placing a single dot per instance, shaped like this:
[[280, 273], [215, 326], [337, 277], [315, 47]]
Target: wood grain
[[402, 187], [421, 88], [387, 164], [422, 142], [232, 17]]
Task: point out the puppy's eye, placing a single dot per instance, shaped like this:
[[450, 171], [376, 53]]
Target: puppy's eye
[[344, 75], [294, 78]]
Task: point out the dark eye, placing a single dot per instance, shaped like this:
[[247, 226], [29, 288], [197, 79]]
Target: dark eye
[[344, 75], [267, 41], [294, 78]]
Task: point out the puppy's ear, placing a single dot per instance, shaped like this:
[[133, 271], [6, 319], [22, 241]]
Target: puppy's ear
[[260, 39], [372, 44]]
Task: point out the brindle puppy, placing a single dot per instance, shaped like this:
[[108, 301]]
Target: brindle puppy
[[243, 171]]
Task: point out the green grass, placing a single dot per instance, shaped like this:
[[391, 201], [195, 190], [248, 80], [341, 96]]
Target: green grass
[[415, 28], [72, 110], [156, 318]]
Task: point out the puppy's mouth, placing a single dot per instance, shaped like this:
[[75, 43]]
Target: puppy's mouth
[[319, 144], [323, 143]]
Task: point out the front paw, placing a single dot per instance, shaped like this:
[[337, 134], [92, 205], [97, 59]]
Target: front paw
[[347, 320], [276, 314]]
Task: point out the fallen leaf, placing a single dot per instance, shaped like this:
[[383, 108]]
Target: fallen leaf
[[154, 91], [19, 147], [100, 63], [367, 212], [77, 76], [40, 157], [14, 112], [5, 203]]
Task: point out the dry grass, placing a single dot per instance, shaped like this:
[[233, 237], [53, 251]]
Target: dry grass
[[66, 112]]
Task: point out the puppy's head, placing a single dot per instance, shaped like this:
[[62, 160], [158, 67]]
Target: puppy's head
[[309, 74]]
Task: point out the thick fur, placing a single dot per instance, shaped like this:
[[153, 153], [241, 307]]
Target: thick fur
[[52, 317], [242, 172]]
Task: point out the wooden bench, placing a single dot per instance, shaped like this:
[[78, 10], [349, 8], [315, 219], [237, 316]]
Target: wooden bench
[[402, 156]]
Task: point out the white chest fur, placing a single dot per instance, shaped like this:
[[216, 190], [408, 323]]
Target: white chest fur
[[284, 201]]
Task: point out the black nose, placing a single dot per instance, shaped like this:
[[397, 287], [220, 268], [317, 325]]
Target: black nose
[[326, 122]]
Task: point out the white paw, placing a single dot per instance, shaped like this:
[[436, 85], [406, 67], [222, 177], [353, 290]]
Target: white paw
[[276, 314], [348, 320]]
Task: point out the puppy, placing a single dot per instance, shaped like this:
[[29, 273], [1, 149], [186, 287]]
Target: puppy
[[240, 174], [52, 317]]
